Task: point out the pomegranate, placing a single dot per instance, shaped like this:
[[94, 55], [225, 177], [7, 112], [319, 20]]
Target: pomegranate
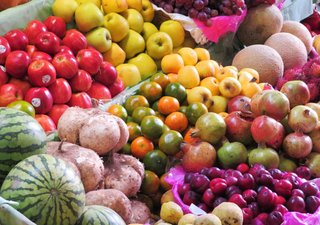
[[315, 137], [268, 157], [287, 164], [238, 127], [210, 127], [297, 145], [197, 155], [271, 103], [297, 92], [313, 163], [238, 103], [268, 130], [302, 118]]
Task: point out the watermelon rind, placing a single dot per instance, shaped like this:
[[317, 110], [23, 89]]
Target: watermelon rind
[[99, 215], [21, 136], [47, 189]]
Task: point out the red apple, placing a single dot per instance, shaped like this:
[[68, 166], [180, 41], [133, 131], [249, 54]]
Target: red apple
[[30, 49], [116, 88], [307, 26], [81, 81], [4, 50], [56, 25], [23, 83], [4, 77], [313, 20], [17, 63], [40, 98], [107, 74], [89, 60], [80, 99], [41, 55], [17, 39], [9, 93], [75, 40], [41, 73], [56, 111], [92, 48], [33, 29], [65, 49], [46, 122], [47, 42], [99, 91], [60, 90], [65, 64]]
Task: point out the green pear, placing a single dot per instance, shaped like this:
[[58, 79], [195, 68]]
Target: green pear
[[145, 64], [117, 25], [133, 44], [100, 39], [88, 16]]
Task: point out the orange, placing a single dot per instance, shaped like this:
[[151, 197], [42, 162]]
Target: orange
[[174, 89], [151, 90], [119, 111], [189, 77], [162, 117], [140, 112], [141, 146], [202, 53], [188, 138], [194, 111], [134, 102], [176, 121], [173, 77], [189, 56], [161, 79], [152, 127], [150, 183], [170, 141], [172, 63], [226, 72], [168, 104], [205, 69], [165, 186], [134, 130], [126, 149], [155, 161]]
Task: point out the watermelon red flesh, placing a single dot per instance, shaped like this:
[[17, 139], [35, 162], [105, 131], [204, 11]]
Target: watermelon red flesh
[[47, 189], [20, 137]]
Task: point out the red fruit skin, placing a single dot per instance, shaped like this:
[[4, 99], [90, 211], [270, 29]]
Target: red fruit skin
[[56, 25], [89, 60], [17, 63], [60, 90], [40, 98], [9, 93], [75, 40], [33, 29], [81, 99], [82, 81], [46, 122], [17, 39], [116, 88], [23, 83], [107, 74], [238, 103], [47, 42], [99, 91], [4, 77], [41, 73], [56, 111], [41, 55], [66, 65], [5, 49]]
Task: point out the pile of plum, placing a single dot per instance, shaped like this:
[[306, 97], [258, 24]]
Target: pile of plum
[[264, 195]]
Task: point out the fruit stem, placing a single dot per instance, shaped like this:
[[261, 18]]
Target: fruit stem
[[61, 143], [262, 145], [224, 140]]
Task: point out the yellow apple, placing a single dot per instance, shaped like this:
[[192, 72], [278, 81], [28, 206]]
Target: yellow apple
[[189, 42], [133, 44], [147, 11], [99, 38], [159, 44], [200, 94], [116, 6], [117, 25], [96, 2], [88, 16], [230, 87], [212, 84], [129, 74], [175, 31], [64, 9], [147, 30], [134, 19], [145, 64], [115, 55], [135, 4], [220, 104], [189, 56]]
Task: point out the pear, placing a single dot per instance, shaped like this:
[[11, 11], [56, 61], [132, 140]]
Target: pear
[[145, 64], [88, 16], [133, 44], [65, 9]]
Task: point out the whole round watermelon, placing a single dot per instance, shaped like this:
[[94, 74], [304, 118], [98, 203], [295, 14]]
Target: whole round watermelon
[[20, 137], [47, 189]]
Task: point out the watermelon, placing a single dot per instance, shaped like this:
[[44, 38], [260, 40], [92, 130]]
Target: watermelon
[[99, 215], [21, 136], [47, 189]]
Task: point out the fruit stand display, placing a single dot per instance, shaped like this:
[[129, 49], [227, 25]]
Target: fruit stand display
[[159, 112]]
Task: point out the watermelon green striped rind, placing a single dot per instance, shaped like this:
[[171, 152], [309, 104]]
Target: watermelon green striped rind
[[47, 189], [20, 137], [99, 215]]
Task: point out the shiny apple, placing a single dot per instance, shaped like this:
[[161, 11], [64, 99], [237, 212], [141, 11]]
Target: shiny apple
[[4, 77], [33, 29], [41, 55], [17, 63], [116, 88], [107, 74], [23, 83], [66, 65], [81, 81], [47, 42], [41, 73], [40, 98], [56, 25], [17, 39], [56, 111], [75, 40], [99, 91], [60, 90], [80, 99], [46, 122], [9, 93], [89, 60], [4, 50]]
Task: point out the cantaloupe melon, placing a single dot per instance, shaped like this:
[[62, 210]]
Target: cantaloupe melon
[[263, 59], [259, 24], [298, 30], [291, 49]]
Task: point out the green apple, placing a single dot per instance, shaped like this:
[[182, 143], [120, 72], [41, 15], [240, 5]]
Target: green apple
[[129, 74], [96, 2], [117, 25], [116, 6], [145, 64], [175, 31], [88, 16], [159, 44], [133, 44], [147, 11], [147, 30], [99, 38], [134, 19], [65, 9]]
